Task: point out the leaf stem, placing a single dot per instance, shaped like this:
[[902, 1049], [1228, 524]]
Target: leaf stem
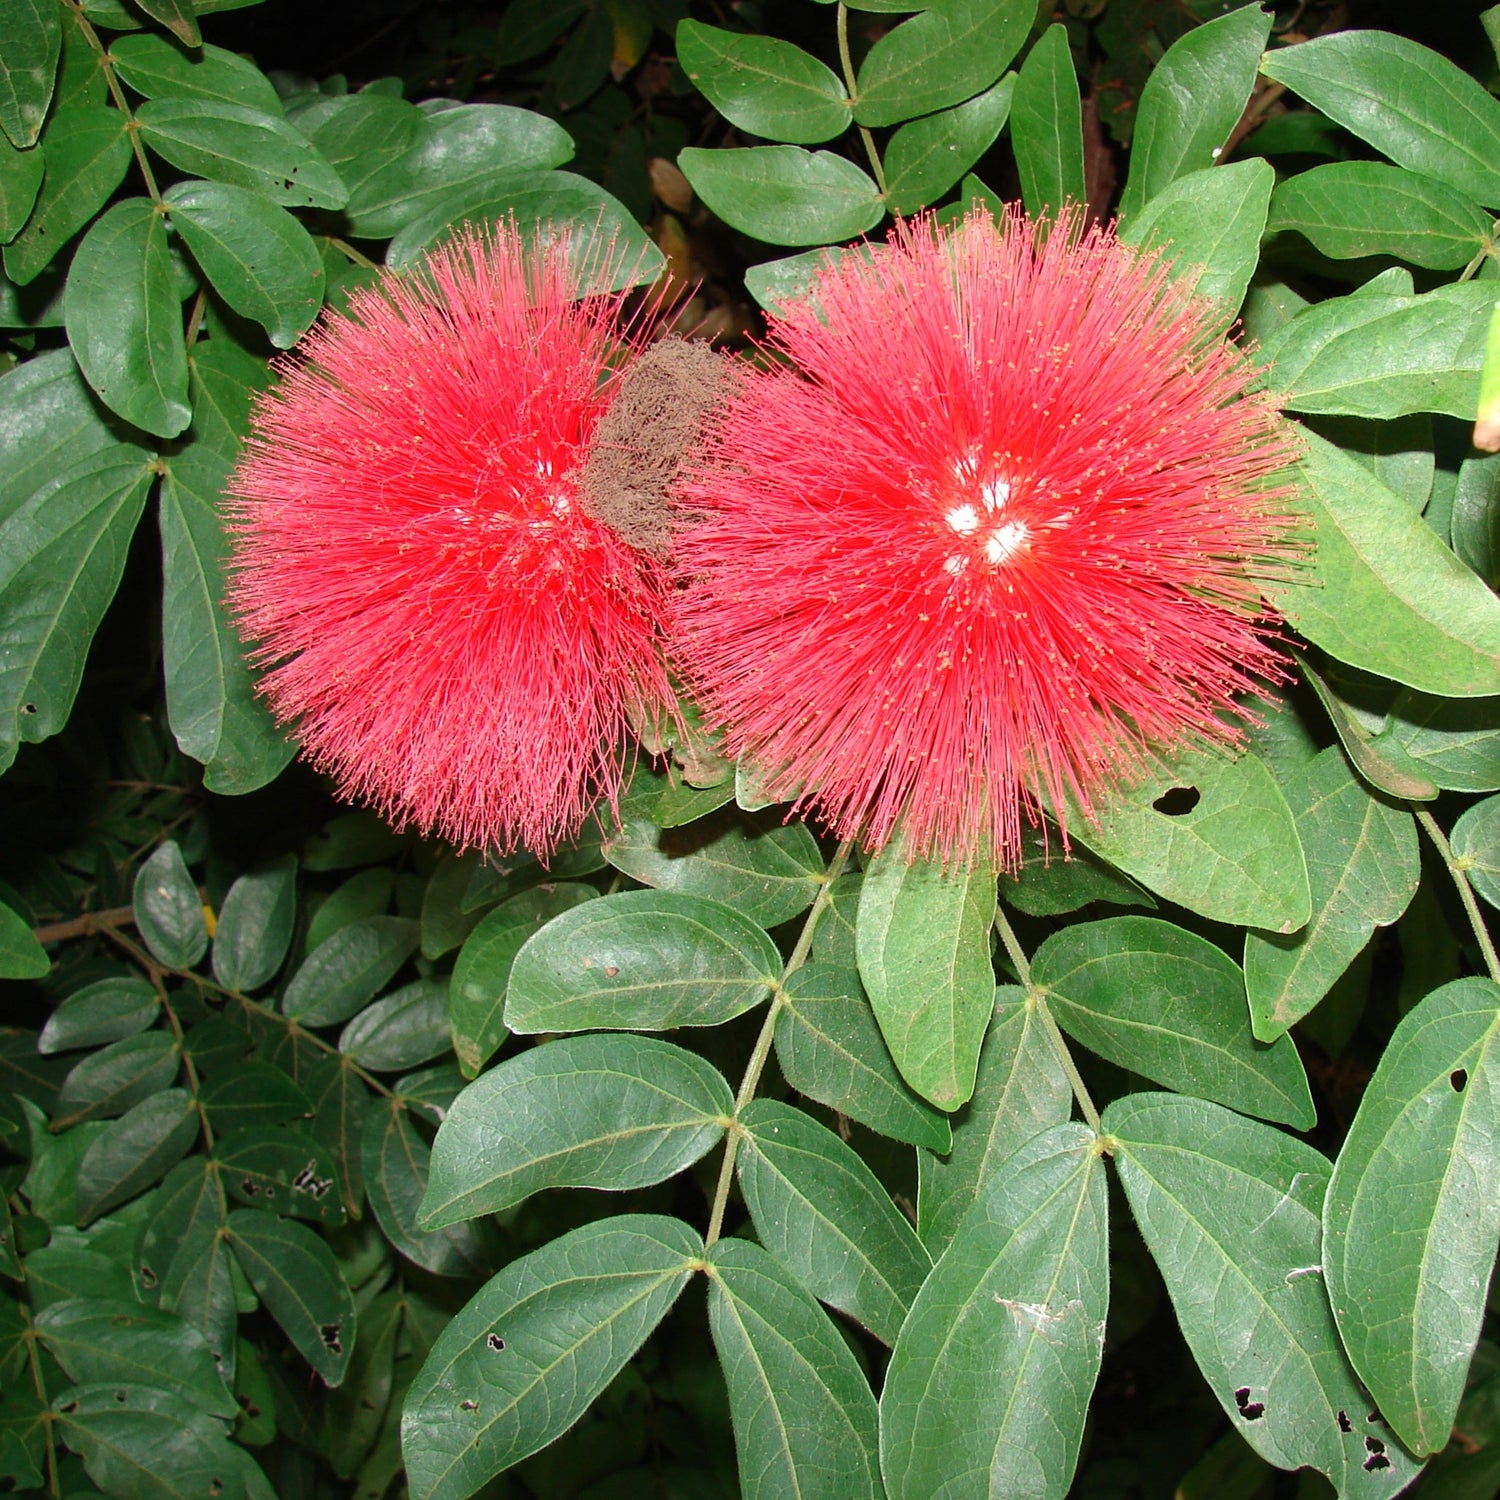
[[762, 1049], [132, 128], [1459, 871], [847, 62], [1036, 997]]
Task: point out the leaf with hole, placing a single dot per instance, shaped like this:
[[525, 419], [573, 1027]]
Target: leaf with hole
[[279, 1169]]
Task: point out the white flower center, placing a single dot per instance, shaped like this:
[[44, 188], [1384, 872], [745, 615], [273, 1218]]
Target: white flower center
[[993, 537]]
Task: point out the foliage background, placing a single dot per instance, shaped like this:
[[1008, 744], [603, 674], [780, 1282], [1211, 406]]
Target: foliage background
[[227, 1058]]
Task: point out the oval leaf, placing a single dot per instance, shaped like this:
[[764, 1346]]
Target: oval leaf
[[255, 925], [169, 910], [344, 973], [1046, 126]]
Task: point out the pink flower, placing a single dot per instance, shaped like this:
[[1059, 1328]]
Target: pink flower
[[458, 641], [991, 535]]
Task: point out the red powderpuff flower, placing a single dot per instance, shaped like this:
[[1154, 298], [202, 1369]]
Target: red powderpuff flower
[[458, 640], [994, 534]]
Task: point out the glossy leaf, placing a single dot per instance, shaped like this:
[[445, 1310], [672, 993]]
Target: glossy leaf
[[279, 1169], [823, 1214], [1021, 1091], [135, 1152], [396, 1164], [100, 1012], [1412, 1218], [246, 147], [177, 16], [481, 974], [923, 947], [924, 158], [1363, 865], [156, 68], [640, 961], [1229, 1210], [1046, 127], [520, 1363], [990, 1380], [763, 85], [108, 1082], [1389, 596], [223, 379], [347, 971], [21, 956], [297, 1278], [252, 1093], [769, 874], [952, 51], [169, 910], [30, 44], [254, 928], [124, 320], [256, 256], [831, 1050], [1407, 101], [21, 175], [804, 1419], [785, 195], [601, 1111], [1192, 100], [1232, 856], [1168, 1004], [401, 1031], [1384, 354]]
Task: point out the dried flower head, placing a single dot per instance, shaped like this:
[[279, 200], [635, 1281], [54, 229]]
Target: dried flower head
[[992, 533], [458, 640]]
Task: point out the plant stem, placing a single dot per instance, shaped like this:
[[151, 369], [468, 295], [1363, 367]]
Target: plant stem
[[848, 65], [132, 129], [762, 1049], [1036, 997], [1459, 871]]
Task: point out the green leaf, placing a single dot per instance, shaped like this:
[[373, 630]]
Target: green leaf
[[525, 1357], [1379, 760], [223, 379], [989, 1383], [21, 175], [769, 874], [924, 158], [340, 1103], [830, 1049], [30, 45], [21, 956], [396, 1164], [124, 319], [445, 923], [134, 1153], [252, 1094], [601, 1111], [295, 1275], [183, 1218], [1407, 101], [100, 1012], [402, 1031], [98, 1339], [177, 16], [640, 961], [952, 51], [775, 284], [1363, 865], [257, 257], [362, 134], [453, 153], [139, 1442], [1354, 208], [1455, 743], [169, 910], [87, 152], [608, 249], [1384, 593], [352, 839], [250, 148], [785, 195], [356, 1412], [108, 1082], [1412, 1219], [1233, 856], [763, 85], [1021, 1091], [255, 925], [348, 970], [1209, 225], [476, 998], [1052, 882], [804, 1419], [61, 556], [156, 68], [923, 946], [1476, 843], [1192, 100], [823, 1214], [1046, 127], [1166, 1003], [1229, 1210], [1399, 453], [367, 894], [283, 1170], [1383, 354]]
